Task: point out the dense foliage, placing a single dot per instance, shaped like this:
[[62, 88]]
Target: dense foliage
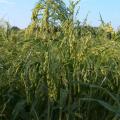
[[59, 69]]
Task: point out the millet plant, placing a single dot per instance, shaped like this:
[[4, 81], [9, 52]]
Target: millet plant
[[59, 69]]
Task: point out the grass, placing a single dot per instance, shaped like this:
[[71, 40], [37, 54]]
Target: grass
[[66, 72]]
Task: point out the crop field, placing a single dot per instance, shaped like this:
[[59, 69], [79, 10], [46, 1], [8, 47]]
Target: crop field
[[59, 68]]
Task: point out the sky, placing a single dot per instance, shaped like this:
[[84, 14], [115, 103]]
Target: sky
[[18, 12]]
